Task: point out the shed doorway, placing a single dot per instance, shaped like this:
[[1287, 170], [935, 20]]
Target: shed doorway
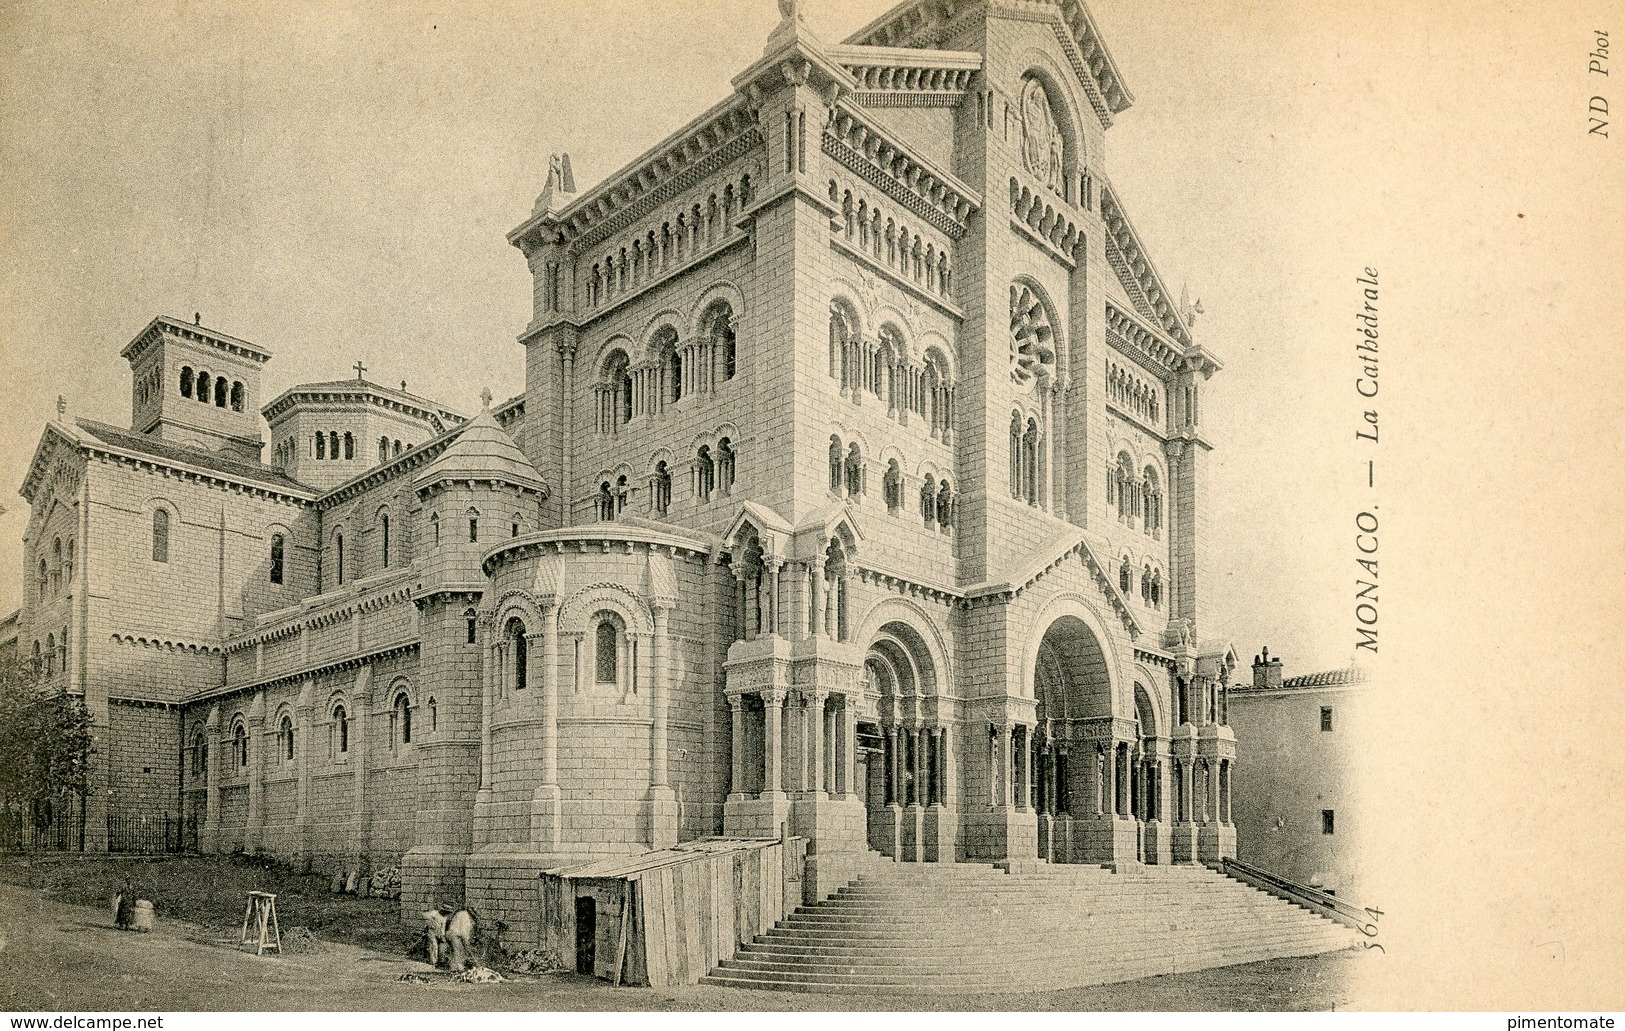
[[586, 933]]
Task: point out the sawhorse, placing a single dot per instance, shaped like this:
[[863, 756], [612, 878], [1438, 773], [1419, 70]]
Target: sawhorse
[[261, 912]]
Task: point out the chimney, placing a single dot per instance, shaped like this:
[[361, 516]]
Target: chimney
[[1266, 672]]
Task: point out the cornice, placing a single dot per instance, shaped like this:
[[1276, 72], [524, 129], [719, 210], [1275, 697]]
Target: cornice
[[1134, 266], [1149, 348], [362, 393], [108, 453], [604, 536], [388, 651], [698, 149], [873, 153], [195, 334], [144, 641]]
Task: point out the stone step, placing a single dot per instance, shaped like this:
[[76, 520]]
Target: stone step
[[959, 980], [972, 951]]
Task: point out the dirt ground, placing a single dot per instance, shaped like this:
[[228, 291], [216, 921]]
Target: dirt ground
[[55, 956]]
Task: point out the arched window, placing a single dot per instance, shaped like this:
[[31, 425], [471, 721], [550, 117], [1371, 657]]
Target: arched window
[[160, 535], [725, 465], [1125, 577], [67, 571], [928, 500], [1145, 585], [400, 721], [660, 488], [945, 506], [517, 657], [321, 444], [383, 449], [237, 396], [39, 659], [186, 381], [893, 485], [338, 547], [201, 392], [277, 545], [239, 745], [473, 526], [284, 736], [221, 390], [720, 319], [835, 456], [841, 336], [62, 651], [383, 539], [349, 445], [515, 527], [50, 654], [854, 471], [621, 491], [332, 444], [394, 449], [606, 503], [56, 567], [607, 666], [1156, 589], [1017, 484], [341, 730], [45, 576], [200, 753], [434, 717], [615, 393], [471, 621], [705, 473]]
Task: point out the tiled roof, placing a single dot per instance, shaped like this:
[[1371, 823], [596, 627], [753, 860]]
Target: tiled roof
[[1327, 678], [483, 451], [169, 451]]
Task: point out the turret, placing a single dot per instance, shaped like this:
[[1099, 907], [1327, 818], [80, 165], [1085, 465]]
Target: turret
[[195, 386]]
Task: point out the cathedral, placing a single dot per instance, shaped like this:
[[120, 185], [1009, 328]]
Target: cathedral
[[857, 493]]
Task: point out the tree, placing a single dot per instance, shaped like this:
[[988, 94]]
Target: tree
[[45, 740]]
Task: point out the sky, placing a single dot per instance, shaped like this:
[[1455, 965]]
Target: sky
[[333, 181]]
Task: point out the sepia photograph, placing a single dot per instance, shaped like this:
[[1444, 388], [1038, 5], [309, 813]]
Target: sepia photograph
[[810, 505]]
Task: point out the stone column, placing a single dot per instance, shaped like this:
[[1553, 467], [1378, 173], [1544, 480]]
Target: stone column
[[486, 700], [736, 705], [817, 615], [770, 608], [659, 745], [211, 777], [815, 716], [256, 772], [301, 756], [849, 736], [1007, 741], [550, 694], [773, 704]]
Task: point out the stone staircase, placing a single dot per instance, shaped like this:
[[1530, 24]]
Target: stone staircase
[[958, 927]]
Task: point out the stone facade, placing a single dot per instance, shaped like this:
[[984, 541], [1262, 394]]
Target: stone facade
[[857, 491]]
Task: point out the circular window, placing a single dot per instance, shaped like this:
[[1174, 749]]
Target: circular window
[[1032, 339]]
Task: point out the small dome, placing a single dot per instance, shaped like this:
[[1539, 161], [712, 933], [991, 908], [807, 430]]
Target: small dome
[[483, 451]]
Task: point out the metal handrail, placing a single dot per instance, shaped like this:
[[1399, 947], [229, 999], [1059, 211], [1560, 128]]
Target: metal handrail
[[1329, 906]]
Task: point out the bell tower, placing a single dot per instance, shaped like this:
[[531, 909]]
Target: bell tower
[[194, 386]]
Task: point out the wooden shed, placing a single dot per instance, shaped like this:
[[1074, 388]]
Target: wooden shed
[[669, 916]]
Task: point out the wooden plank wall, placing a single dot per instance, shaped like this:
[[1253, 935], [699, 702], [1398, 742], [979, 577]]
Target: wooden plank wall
[[691, 916], [684, 918]]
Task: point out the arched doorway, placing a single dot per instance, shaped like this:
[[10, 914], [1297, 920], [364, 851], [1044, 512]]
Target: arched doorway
[[908, 793], [1075, 765]]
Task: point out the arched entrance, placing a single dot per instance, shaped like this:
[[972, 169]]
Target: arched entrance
[[908, 793], [1076, 764]]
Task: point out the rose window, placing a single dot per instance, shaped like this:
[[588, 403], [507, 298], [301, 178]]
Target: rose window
[[1032, 339]]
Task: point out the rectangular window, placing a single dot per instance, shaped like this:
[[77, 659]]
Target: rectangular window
[[1326, 823], [1326, 718]]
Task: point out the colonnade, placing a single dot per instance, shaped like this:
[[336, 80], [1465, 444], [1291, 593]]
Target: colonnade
[[808, 746]]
